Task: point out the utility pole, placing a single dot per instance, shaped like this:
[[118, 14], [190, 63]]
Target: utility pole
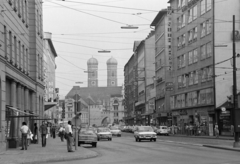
[[235, 99]]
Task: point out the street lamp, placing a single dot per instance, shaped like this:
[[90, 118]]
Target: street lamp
[[129, 27], [104, 51]]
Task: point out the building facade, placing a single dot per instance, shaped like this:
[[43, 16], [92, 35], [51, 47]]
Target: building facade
[[163, 66], [201, 84], [22, 86]]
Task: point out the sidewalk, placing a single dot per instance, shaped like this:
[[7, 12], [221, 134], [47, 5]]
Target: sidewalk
[[54, 151], [228, 145], [204, 137]]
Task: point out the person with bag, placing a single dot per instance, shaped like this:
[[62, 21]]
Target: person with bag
[[24, 129], [35, 133], [29, 137], [69, 136], [61, 132], [44, 132]]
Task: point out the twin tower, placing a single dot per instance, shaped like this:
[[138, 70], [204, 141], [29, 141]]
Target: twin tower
[[93, 72]]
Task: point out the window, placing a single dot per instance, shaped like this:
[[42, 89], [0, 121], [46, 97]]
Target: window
[[15, 50], [203, 7], [184, 3], [204, 74], [190, 15], [191, 78], [183, 100], [179, 3], [179, 23], [209, 5], [179, 62], [20, 54], [189, 99], [190, 57], [179, 81], [179, 40], [196, 77], [10, 44], [183, 39], [183, 20], [113, 74], [24, 58], [183, 60], [190, 36], [26, 12], [202, 97], [5, 41], [195, 56], [194, 98], [195, 12], [209, 73], [209, 49], [22, 8], [209, 96], [209, 26], [203, 52], [184, 81], [19, 8], [27, 60], [195, 33], [203, 29]]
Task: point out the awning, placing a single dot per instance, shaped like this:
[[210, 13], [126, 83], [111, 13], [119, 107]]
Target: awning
[[48, 105], [139, 103], [18, 112]]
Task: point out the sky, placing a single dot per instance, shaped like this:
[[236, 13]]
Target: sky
[[80, 28]]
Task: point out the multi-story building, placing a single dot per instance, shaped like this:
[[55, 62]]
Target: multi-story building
[[202, 51], [49, 66], [21, 64], [163, 66], [117, 109], [145, 52]]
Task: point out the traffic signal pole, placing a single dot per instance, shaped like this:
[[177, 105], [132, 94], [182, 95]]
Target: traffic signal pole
[[235, 99]]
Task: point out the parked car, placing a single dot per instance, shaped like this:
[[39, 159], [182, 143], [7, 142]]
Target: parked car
[[163, 130], [104, 133], [87, 136], [115, 131], [145, 133]]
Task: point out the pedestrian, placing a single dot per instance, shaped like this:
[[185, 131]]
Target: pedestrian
[[69, 136], [35, 133], [187, 129], [53, 131], [29, 137], [44, 132], [49, 130], [24, 129], [61, 132], [216, 131], [76, 122]]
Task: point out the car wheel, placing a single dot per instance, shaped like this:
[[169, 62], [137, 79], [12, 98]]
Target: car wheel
[[79, 144], [139, 140], [94, 144], [155, 140], [110, 139]]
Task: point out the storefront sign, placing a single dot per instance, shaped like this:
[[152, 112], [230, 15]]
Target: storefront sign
[[175, 113]]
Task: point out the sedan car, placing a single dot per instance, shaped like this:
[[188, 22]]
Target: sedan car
[[104, 133], [163, 130], [115, 131], [145, 133], [87, 136]]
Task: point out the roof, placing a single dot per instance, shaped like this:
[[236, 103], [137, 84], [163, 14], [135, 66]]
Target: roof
[[52, 47], [158, 17], [93, 61], [112, 61], [95, 95]]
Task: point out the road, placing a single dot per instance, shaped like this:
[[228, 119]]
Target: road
[[124, 150]]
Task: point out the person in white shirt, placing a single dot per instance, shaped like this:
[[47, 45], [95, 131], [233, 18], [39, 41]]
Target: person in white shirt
[[61, 132], [25, 130], [69, 133]]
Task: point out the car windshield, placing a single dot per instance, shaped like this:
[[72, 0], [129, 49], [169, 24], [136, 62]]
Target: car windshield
[[87, 132], [114, 128], [103, 130], [145, 129]]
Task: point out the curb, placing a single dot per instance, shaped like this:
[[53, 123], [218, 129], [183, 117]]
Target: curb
[[62, 159], [222, 148], [201, 137]]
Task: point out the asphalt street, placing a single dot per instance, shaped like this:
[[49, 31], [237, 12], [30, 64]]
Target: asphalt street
[[124, 150]]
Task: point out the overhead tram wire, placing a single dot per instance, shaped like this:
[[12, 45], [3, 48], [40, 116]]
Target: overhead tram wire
[[127, 8], [90, 14]]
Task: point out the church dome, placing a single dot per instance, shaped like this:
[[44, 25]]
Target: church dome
[[112, 61], [92, 61]]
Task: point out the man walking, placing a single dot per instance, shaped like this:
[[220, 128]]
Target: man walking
[[24, 129], [44, 131], [69, 133]]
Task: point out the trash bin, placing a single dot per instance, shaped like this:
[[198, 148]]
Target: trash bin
[[12, 143]]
